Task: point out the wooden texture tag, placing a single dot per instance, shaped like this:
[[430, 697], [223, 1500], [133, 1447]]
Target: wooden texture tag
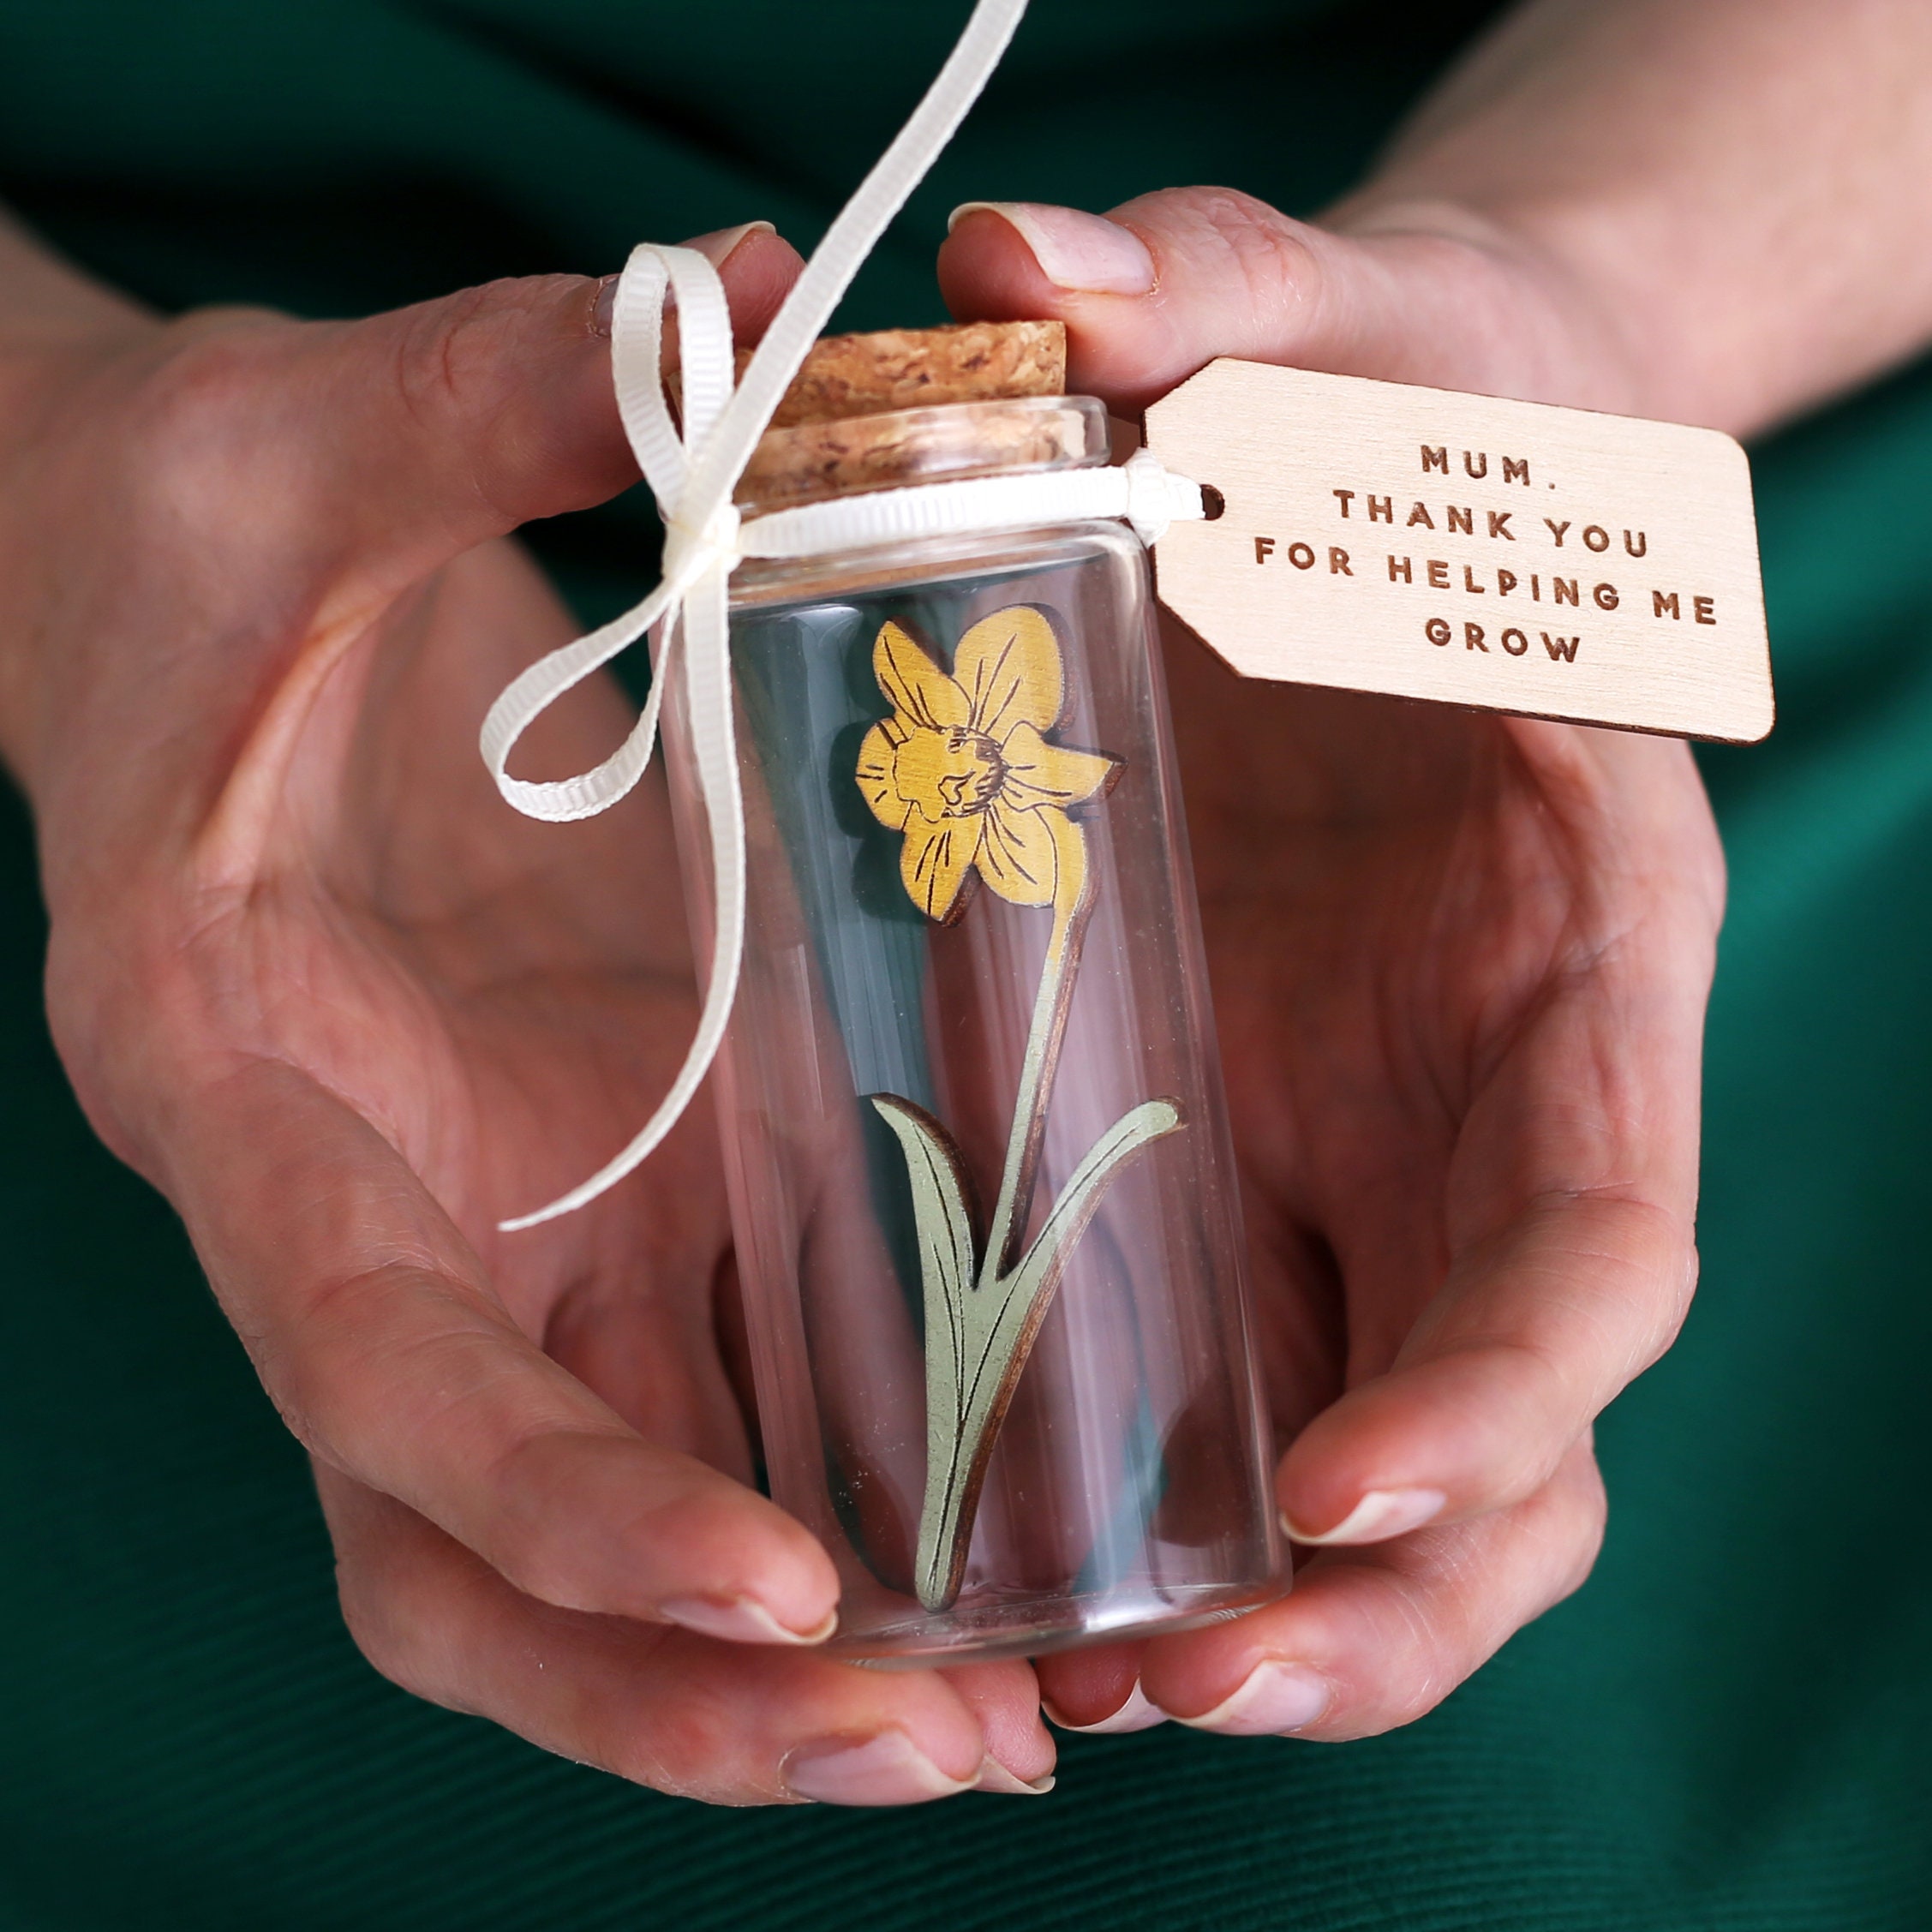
[[1512, 556]]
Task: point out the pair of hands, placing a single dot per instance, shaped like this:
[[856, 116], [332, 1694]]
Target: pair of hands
[[346, 1009]]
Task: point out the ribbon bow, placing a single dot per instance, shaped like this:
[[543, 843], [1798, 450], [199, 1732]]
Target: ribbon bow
[[693, 476]]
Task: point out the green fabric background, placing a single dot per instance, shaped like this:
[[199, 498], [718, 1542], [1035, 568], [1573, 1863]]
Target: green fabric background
[[1726, 1729]]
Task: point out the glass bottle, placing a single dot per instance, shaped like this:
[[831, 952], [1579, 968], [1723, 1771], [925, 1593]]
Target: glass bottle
[[982, 1195]]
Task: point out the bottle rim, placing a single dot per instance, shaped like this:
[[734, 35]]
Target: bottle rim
[[853, 456]]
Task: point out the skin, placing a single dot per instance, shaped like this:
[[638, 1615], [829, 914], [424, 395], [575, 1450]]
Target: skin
[[346, 1009]]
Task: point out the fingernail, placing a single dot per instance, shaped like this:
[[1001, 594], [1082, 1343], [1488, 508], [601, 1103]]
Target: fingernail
[[887, 1769], [1275, 1698], [1381, 1514], [740, 1620], [717, 247], [995, 1777], [1076, 251], [1137, 1713], [603, 309]]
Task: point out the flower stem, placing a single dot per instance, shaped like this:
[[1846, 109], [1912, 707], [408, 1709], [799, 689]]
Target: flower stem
[[970, 1375], [981, 1321], [1036, 1069]]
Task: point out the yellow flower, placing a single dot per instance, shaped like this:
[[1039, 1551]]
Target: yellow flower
[[961, 766]]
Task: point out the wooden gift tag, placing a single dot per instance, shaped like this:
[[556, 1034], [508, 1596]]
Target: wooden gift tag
[[1512, 556]]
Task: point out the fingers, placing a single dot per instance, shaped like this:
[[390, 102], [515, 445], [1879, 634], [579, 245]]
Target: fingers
[[1005, 1698], [757, 267], [411, 436], [655, 1359], [1534, 1333], [1571, 1187], [1373, 1638], [1166, 283], [1097, 1690], [731, 1725], [367, 1318], [464, 417]]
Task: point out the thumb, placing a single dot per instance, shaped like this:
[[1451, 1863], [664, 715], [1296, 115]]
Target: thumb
[[1164, 283], [437, 427]]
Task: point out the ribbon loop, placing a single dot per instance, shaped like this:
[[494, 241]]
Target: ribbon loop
[[703, 536]]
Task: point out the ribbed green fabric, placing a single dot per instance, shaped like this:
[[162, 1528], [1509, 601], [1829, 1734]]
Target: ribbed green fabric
[[1725, 1730]]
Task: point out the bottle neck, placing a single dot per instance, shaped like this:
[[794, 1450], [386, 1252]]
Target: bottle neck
[[813, 462]]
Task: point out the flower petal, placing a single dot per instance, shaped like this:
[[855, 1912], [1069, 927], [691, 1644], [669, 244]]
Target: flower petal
[[1017, 856], [877, 758], [1008, 666], [1069, 846], [1039, 774], [934, 860], [913, 685]]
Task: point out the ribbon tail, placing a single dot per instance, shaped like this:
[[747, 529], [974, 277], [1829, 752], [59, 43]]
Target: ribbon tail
[[719, 460]]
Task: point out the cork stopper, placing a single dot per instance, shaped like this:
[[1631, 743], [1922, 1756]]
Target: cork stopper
[[867, 412], [849, 375]]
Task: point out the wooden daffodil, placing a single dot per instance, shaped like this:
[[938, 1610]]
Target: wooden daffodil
[[963, 767]]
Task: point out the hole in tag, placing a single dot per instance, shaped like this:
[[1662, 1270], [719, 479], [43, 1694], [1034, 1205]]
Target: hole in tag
[[1213, 504]]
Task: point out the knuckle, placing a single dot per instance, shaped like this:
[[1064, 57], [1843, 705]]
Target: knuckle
[[440, 351], [435, 362], [305, 1357], [1437, 1659], [455, 362], [1240, 240], [213, 369], [373, 1633], [535, 1540], [202, 460], [687, 1749], [1517, 1400], [1578, 1516], [339, 1352], [396, 1620]]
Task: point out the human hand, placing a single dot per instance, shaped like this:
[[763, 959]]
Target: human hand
[[347, 1010], [1460, 964]]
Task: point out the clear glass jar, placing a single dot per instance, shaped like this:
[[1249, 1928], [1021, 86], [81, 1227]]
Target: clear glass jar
[[982, 1195]]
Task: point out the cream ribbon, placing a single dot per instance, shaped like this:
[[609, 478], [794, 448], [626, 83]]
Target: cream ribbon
[[693, 475]]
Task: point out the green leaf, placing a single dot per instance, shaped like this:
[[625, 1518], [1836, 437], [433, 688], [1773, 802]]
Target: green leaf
[[1030, 1287], [943, 1222], [978, 1340]]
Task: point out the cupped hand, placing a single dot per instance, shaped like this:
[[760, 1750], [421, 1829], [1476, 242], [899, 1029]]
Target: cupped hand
[[1460, 964], [347, 1010]]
